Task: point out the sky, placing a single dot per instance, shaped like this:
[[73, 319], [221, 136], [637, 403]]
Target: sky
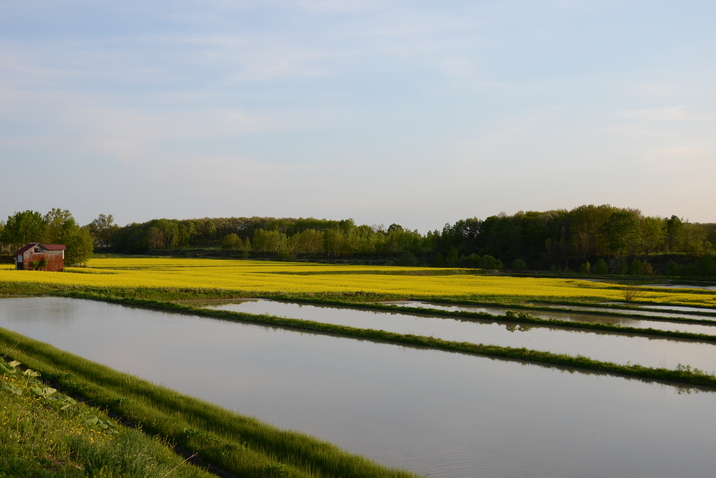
[[414, 112]]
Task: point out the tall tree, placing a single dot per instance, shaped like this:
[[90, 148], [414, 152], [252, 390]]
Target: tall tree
[[24, 227], [57, 224], [102, 230], [653, 233], [61, 228], [79, 245], [622, 231]]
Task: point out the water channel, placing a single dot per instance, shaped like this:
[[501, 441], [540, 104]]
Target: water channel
[[436, 413], [651, 352]]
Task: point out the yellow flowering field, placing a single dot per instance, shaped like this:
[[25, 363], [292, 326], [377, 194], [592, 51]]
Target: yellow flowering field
[[257, 277]]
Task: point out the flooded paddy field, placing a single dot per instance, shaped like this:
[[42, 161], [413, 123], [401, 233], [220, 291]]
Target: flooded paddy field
[[436, 413], [609, 347], [649, 310], [581, 314]]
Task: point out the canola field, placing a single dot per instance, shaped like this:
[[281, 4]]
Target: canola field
[[255, 278]]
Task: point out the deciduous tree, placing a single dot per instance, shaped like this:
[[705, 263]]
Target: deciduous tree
[[24, 227]]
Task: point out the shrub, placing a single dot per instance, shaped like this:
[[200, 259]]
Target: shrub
[[473, 260], [632, 292], [231, 242], [489, 262], [407, 259]]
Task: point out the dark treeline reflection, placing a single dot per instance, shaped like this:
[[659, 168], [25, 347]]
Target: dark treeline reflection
[[588, 239]]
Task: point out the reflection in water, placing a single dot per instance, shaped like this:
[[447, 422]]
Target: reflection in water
[[671, 311], [439, 414], [518, 327], [682, 286], [584, 316], [651, 352]]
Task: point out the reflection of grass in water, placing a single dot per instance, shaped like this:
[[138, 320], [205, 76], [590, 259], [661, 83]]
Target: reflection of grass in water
[[522, 354], [241, 445]]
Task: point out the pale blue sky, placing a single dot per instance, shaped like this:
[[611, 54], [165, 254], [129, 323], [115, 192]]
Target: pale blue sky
[[409, 112]]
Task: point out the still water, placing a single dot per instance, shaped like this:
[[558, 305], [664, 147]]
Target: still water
[[585, 316], [651, 352], [436, 413], [675, 312], [682, 286], [672, 311]]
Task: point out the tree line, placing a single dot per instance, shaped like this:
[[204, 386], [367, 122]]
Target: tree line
[[603, 239]]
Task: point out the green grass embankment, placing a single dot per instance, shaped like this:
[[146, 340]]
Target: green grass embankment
[[366, 301], [525, 318], [683, 375], [241, 445], [45, 433]]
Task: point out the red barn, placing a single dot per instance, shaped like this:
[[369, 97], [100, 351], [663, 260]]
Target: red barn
[[36, 256]]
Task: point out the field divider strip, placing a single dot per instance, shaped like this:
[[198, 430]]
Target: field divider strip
[[522, 318], [684, 375], [242, 445]]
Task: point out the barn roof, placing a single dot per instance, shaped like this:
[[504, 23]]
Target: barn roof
[[49, 247]]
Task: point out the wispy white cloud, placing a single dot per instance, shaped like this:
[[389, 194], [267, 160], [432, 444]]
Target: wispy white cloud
[[673, 113], [652, 89], [369, 105], [133, 136], [343, 6]]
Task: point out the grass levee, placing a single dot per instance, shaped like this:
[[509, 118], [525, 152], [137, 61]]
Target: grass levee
[[45, 433], [241, 445], [683, 375]]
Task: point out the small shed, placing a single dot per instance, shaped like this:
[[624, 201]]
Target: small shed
[[36, 256]]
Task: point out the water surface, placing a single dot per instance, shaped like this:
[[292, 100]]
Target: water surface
[[580, 316], [609, 347], [672, 311], [437, 413], [682, 286]]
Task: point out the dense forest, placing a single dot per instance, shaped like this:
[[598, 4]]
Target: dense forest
[[599, 239]]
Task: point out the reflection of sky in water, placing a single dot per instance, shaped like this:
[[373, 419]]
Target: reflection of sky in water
[[547, 314], [679, 307], [606, 347], [55, 313], [663, 311], [580, 317], [439, 414], [683, 286]]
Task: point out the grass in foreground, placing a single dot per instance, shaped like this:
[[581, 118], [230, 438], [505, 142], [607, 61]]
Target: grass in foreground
[[45, 433], [240, 445]]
